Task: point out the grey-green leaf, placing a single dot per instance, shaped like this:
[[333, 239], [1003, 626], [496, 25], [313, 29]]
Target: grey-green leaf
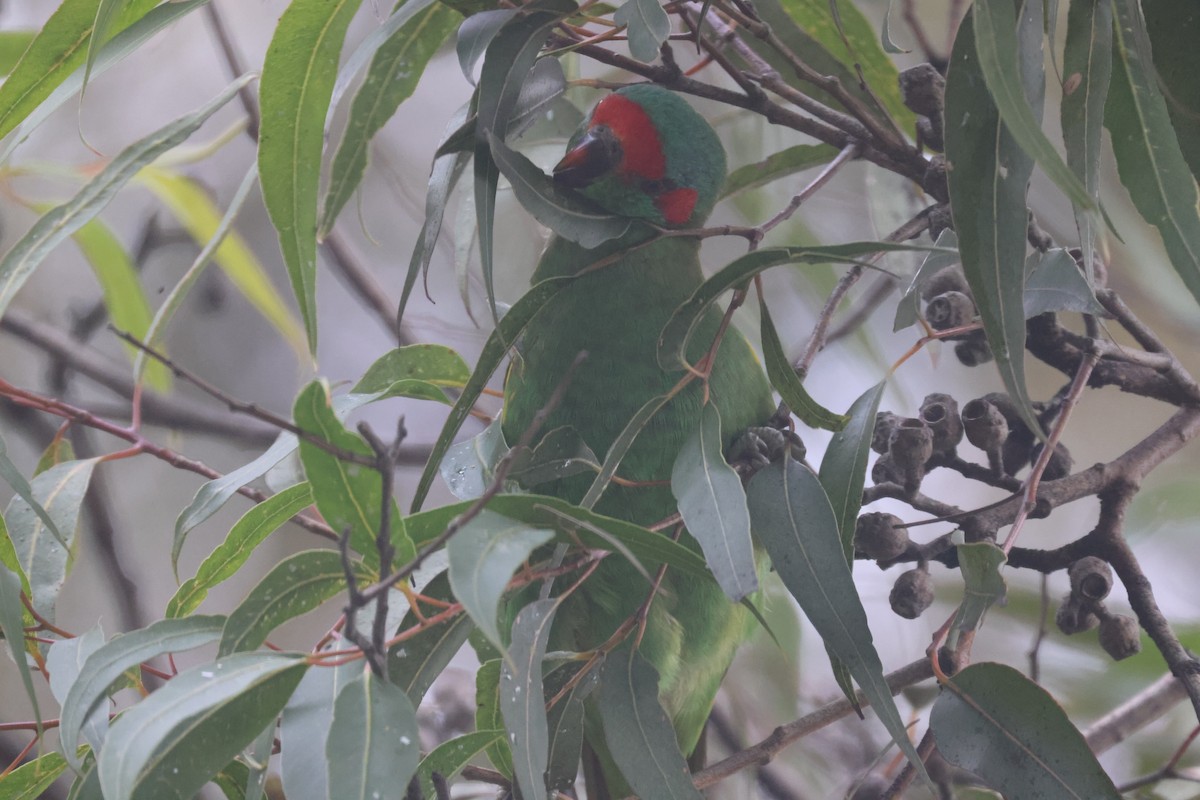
[[1149, 160], [787, 382], [483, 557], [12, 626], [65, 660], [59, 223], [373, 745], [171, 743], [304, 731], [789, 161], [521, 699], [647, 27], [983, 585], [794, 521], [415, 663], [844, 465], [1054, 283], [908, 308], [104, 666], [449, 757], [296, 585], [637, 731], [988, 182], [713, 505], [995, 723]]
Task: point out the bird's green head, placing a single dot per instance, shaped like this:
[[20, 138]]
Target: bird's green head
[[645, 153]]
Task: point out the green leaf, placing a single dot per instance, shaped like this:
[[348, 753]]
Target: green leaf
[[987, 195], [13, 477], [789, 161], [28, 781], [474, 36], [908, 309], [253, 773], [12, 626], [572, 523], [419, 370], [244, 537], [65, 660], [794, 521], [43, 558], [995, 723], [59, 49], [509, 58], [785, 380], [106, 16], [1088, 55], [647, 27], [522, 702], [559, 453], [201, 218], [1173, 28], [304, 731], [676, 334], [488, 716], [295, 586], [713, 505], [1054, 283], [844, 466], [449, 757], [565, 722], [25, 256], [214, 494], [983, 585], [543, 86], [417, 29], [1149, 160], [849, 36], [57, 452], [113, 52], [562, 212], [108, 663], [169, 745], [373, 745], [297, 83], [469, 466], [13, 45], [637, 731], [494, 351], [483, 557], [233, 780], [415, 663], [1008, 67], [620, 446], [348, 495]]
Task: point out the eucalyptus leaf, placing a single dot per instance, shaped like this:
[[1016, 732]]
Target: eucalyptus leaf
[[373, 745], [1054, 283], [521, 697], [647, 26]]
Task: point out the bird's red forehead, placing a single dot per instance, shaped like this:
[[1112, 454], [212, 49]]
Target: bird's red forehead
[[643, 153]]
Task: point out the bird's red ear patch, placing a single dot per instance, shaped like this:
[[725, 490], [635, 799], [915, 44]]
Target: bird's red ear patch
[[634, 129], [677, 205]]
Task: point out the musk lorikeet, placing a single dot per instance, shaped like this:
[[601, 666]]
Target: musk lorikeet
[[643, 153]]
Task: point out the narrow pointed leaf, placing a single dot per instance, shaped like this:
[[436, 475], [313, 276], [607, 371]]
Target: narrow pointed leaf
[[488, 716], [483, 557], [21, 488], [844, 466], [65, 660], [522, 703], [908, 309], [776, 166], [295, 586], [983, 585], [418, 28], [785, 380], [212, 496], [620, 446], [304, 731], [1173, 27], [494, 351], [244, 537], [1149, 160], [43, 558], [646, 25], [474, 36], [103, 667], [1087, 70], [565, 722], [1056, 284], [449, 757], [13, 45], [1000, 56], [111, 53], [794, 521], [637, 731], [509, 58], [30, 780], [170, 744], [58, 50], [49, 231], [106, 16], [12, 626], [373, 745], [995, 723], [348, 495], [988, 182], [713, 505], [297, 83], [201, 218], [415, 663]]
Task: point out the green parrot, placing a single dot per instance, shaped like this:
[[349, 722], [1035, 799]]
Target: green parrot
[[643, 153]]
